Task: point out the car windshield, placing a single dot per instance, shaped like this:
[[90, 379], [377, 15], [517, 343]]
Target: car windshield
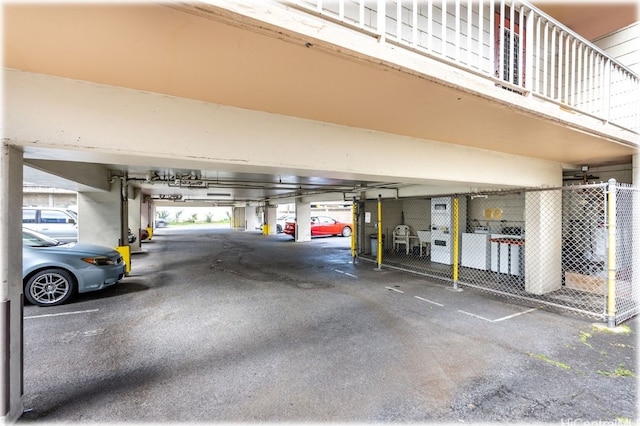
[[73, 214], [31, 239]]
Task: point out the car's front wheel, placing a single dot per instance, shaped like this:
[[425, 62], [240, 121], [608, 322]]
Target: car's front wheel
[[346, 231], [49, 287]]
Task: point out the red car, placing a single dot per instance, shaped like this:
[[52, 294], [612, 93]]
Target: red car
[[322, 225]]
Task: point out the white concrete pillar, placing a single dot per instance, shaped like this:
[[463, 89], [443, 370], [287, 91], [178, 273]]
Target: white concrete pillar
[[303, 221], [272, 219], [237, 217], [635, 170], [146, 212], [543, 241], [99, 217], [11, 398], [135, 223], [250, 218]]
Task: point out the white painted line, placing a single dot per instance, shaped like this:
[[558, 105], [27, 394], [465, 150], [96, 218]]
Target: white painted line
[[499, 319], [429, 301], [62, 313], [515, 315], [394, 289], [474, 315], [345, 273]]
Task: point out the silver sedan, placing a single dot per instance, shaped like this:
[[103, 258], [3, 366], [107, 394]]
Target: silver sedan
[[52, 271]]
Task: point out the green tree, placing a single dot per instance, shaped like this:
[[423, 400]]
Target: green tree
[[209, 217], [163, 214], [178, 213]]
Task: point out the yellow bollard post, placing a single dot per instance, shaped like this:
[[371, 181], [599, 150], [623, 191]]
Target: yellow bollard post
[[150, 231], [265, 229], [125, 251], [455, 242]]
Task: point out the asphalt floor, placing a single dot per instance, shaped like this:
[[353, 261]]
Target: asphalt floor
[[220, 326]]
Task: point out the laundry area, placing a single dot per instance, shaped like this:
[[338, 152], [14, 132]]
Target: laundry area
[[549, 246]]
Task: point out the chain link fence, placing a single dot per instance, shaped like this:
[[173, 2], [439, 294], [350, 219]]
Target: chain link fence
[[559, 247]]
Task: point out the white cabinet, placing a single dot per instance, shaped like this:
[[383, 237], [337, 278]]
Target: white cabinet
[[475, 251]]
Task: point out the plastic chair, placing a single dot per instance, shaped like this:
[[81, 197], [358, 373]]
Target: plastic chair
[[401, 235]]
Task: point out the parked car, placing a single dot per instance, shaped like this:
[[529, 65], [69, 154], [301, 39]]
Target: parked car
[[53, 271], [60, 224], [282, 221], [131, 237], [161, 223], [322, 226]]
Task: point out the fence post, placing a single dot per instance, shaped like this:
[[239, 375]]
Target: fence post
[[611, 253], [454, 236], [379, 254]]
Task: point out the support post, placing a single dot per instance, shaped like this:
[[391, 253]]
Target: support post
[[611, 254], [11, 305], [456, 246]]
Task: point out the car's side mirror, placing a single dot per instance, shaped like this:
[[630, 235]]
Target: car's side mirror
[[71, 221]]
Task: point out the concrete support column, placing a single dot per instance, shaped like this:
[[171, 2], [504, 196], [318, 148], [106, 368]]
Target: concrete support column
[[250, 218], [146, 212], [543, 243], [135, 223], [272, 219], [99, 216], [237, 218], [124, 214], [303, 221], [11, 393]]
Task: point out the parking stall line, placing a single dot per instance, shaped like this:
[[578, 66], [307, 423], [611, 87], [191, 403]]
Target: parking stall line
[[429, 301], [474, 315], [465, 312], [499, 319], [345, 273], [516, 314], [59, 314]]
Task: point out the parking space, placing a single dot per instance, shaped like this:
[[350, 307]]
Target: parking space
[[225, 326]]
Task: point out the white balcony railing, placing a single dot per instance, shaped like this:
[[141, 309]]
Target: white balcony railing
[[508, 41]]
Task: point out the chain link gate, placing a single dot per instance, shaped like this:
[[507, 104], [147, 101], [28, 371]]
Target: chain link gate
[[546, 246], [627, 292]]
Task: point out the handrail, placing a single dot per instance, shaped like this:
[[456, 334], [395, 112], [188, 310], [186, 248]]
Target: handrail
[[510, 42], [575, 35]]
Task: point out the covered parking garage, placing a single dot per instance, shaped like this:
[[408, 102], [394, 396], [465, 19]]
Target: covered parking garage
[[116, 122]]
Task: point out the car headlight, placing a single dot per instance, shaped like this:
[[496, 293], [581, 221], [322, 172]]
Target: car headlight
[[98, 261]]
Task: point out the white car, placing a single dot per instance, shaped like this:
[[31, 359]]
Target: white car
[[60, 224], [280, 222]]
